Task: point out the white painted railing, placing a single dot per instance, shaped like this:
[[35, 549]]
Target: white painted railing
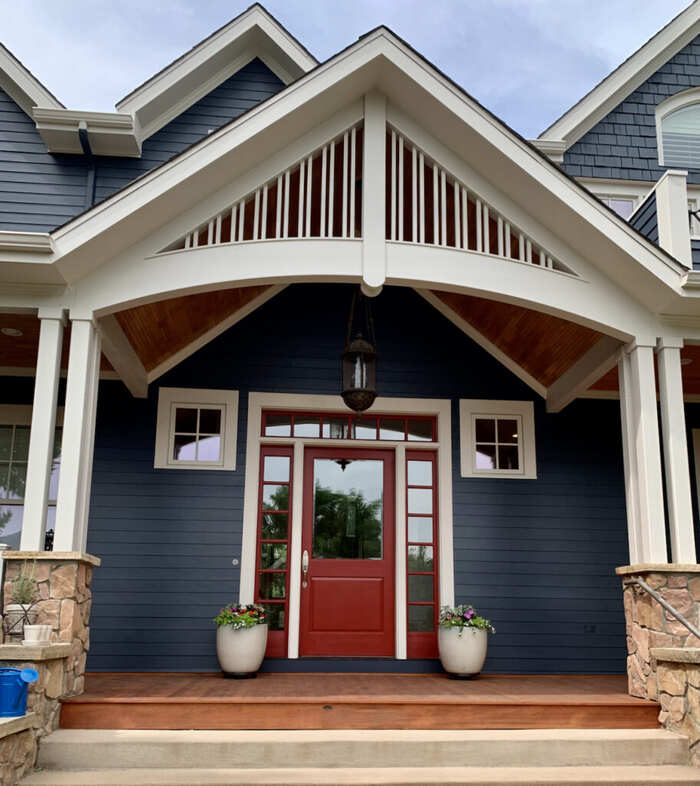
[[316, 198], [427, 205]]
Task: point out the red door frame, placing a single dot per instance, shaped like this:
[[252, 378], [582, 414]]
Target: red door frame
[[339, 642]]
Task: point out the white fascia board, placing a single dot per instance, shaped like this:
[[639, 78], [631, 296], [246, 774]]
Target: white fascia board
[[109, 133], [254, 33], [33, 242], [554, 149], [378, 59], [22, 86], [625, 79]]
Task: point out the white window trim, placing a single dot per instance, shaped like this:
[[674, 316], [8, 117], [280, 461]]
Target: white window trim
[[675, 102], [169, 398], [471, 408], [441, 408]]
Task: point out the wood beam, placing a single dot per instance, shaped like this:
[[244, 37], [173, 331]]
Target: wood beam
[[123, 357], [599, 359]]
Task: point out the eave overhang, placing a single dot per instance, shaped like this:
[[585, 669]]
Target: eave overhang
[[109, 133]]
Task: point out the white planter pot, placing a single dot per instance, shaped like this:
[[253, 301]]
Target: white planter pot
[[37, 634], [15, 617], [462, 655], [240, 652]]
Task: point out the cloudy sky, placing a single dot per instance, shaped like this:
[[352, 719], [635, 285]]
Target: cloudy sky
[[526, 60]]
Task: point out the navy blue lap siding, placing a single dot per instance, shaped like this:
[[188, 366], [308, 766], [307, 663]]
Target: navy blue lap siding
[[623, 144], [536, 556], [40, 191]]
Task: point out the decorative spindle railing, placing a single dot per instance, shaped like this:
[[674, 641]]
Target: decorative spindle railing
[[319, 197], [427, 205]]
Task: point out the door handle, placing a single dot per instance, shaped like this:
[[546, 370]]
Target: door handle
[[304, 566]]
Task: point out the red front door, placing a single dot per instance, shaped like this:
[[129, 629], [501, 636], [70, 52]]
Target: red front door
[[347, 594]]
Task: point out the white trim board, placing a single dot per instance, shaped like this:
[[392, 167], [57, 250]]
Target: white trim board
[[442, 408]]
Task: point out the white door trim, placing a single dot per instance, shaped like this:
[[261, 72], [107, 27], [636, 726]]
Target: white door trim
[[441, 408]]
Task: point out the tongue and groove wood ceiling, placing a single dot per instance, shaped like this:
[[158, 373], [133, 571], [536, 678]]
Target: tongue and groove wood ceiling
[[543, 345]]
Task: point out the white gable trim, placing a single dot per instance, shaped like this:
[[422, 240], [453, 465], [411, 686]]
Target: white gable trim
[[593, 107], [22, 86], [254, 33]]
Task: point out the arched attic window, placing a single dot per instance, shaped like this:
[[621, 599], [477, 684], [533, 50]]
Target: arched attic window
[[678, 130]]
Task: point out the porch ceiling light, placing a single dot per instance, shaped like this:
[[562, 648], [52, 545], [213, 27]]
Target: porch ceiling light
[[10, 331], [359, 360]]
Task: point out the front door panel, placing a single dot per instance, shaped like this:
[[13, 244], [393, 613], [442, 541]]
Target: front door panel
[[347, 595]]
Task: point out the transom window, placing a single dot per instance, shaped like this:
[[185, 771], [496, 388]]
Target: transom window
[[396, 428], [14, 453], [497, 438], [196, 429]]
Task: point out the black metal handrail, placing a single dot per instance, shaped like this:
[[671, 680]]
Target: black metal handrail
[[669, 608]]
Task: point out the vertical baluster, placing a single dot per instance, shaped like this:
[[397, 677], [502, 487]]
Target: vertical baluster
[[528, 251], [263, 214], [188, 240], [543, 259], [465, 219], [234, 213], [217, 230], [392, 234], [400, 221], [256, 215], [195, 238], [309, 196], [414, 194], [210, 232], [443, 208], [487, 239], [507, 234], [353, 136], [345, 184], [324, 155], [278, 208], [550, 262], [436, 230], [479, 226], [331, 191], [500, 236], [521, 247], [285, 223], [300, 217], [421, 195], [456, 209], [241, 220]]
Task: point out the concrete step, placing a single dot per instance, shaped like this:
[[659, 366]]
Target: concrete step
[[382, 776], [102, 749]]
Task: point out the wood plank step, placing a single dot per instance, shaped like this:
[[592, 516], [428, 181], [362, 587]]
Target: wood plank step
[[387, 776]]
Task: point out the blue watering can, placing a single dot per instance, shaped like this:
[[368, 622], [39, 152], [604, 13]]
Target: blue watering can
[[14, 684]]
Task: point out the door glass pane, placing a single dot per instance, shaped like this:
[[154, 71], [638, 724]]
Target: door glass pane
[[278, 425], [335, 428], [276, 469], [274, 615], [420, 473], [420, 501], [275, 497], [420, 588], [390, 428], [420, 619], [273, 586], [348, 496], [420, 529], [366, 428], [420, 430], [5, 442], [420, 558], [273, 556], [20, 448], [274, 526], [306, 426]]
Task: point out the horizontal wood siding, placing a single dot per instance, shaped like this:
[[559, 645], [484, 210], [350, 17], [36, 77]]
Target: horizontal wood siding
[[40, 191], [536, 556], [645, 220]]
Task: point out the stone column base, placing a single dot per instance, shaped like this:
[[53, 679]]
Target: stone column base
[[649, 626]]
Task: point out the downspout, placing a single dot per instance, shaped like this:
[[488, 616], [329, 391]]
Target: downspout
[[91, 178]]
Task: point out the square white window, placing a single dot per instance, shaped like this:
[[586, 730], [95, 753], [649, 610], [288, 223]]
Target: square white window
[[497, 438], [196, 429]]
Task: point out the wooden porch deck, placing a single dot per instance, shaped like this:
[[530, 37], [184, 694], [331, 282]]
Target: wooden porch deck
[[356, 701]]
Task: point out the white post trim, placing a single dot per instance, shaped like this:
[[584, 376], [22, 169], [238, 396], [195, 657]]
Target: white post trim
[[400, 534], [629, 456], [677, 468], [43, 429], [672, 215], [78, 437], [374, 195], [645, 429], [442, 408]]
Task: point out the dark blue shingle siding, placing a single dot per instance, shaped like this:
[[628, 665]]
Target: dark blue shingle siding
[[645, 219], [695, 252], [40, 191], [623, 144]]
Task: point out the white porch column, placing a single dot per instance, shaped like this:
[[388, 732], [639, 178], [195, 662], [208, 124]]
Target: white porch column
[[374, 195], [678, 495], [41, 438], [78, 437], [643, 455], [672, 215]]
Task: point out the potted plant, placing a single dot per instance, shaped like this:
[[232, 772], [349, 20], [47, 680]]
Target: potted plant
[[241, 639], [23, 594], [462, 641]]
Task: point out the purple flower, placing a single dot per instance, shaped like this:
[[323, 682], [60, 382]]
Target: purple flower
[[469, 614]]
